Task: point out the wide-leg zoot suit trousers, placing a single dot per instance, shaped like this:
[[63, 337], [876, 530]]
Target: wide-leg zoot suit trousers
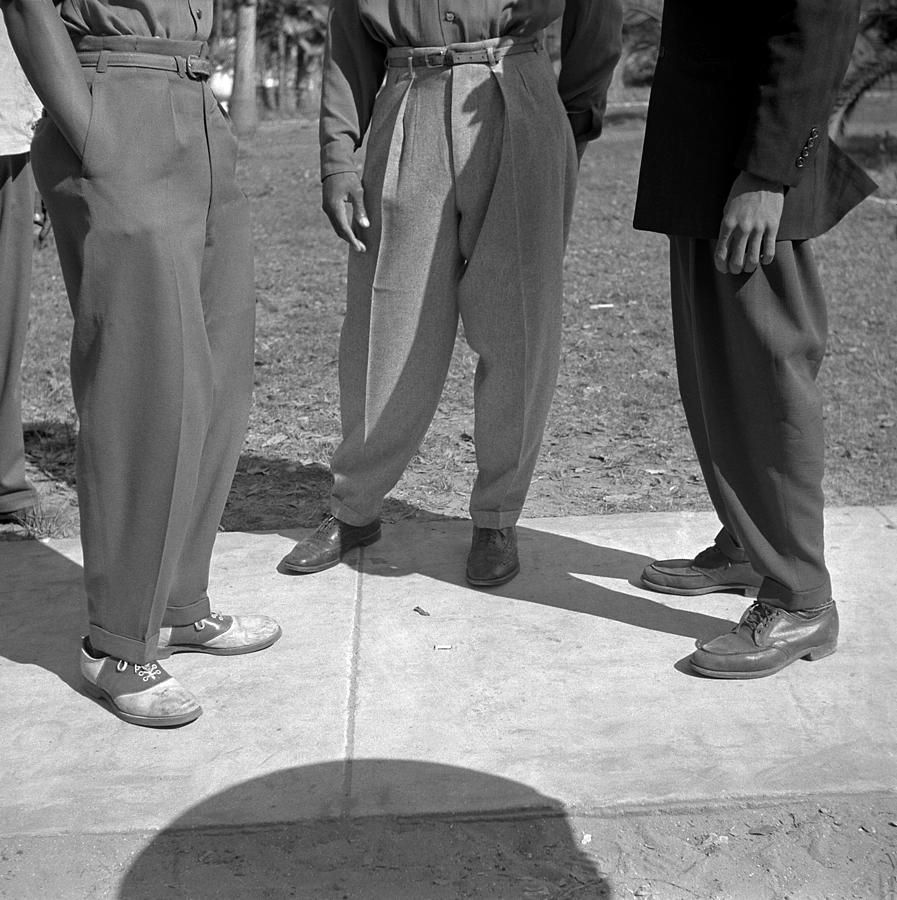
[[155, 246], [748, 350], [469, 179], [16, 215]]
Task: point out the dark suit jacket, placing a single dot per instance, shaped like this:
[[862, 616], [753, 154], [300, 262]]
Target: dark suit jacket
[[754, 98]]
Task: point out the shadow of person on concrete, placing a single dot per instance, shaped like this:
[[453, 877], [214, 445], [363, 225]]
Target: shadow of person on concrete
[[42, 608], [371, 829], [559, 571]]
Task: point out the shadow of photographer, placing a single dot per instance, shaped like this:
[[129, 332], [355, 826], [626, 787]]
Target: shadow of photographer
[[373, 829]]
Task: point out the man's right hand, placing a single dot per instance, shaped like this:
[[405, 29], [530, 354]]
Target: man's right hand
[[341, 192]]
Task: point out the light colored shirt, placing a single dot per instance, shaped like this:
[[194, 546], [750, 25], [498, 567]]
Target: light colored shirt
[[175, 20], [19, 107], [361, 31]]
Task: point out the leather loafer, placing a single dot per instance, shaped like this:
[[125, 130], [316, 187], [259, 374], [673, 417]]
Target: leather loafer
[[324, 548], [766, 640], [493, 556], [140, 694], [220, 635], [711, 570]]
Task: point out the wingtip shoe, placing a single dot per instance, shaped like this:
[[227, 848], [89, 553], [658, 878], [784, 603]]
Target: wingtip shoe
[[327, 545], [766, 640], [493, 556], [138, 694]]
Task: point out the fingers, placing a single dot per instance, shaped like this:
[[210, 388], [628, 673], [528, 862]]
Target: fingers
[[768, 250], [738, 252], [343, 202], [721, 253]]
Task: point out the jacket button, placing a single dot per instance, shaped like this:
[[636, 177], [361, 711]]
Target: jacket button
[[449, 17], [799, 163]]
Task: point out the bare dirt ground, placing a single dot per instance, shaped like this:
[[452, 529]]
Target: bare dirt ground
[[616, 441]]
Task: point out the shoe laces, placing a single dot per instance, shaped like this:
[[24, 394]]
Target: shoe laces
[[758, 615], [146, 672], [199, 624], [326, 525], [491, 537]]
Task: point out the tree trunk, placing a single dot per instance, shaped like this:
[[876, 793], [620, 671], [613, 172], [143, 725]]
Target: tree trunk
[[243, 106], [286, 97]]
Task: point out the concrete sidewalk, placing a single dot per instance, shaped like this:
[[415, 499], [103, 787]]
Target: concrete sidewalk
[[398, 690]]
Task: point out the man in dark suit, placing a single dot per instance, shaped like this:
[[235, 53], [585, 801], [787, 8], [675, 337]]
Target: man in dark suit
[[738, 170]]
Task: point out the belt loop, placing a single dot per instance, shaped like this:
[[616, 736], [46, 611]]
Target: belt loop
[[490, 52], [102, 61], [181, 63]]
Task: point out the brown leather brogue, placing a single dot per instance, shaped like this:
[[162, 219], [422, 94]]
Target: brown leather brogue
[[493, 556], [329, 543]]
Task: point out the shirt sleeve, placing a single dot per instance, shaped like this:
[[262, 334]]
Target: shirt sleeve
[[354, 65], [802, 65], [591, 43]]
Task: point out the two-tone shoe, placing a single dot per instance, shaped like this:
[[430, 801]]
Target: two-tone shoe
[[493, 556], [327, 545], [139, 694], [220, 635], [711, 570], [766, 640]]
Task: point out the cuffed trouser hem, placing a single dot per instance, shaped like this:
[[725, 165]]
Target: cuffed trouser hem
[[349, 516], [16, 500], [729, 548], [775, 594], [186, 615], [140, 652], [119, 647], [484, 518]]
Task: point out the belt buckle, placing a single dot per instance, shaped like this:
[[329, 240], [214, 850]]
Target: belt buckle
[[438, 58], [191, 72]]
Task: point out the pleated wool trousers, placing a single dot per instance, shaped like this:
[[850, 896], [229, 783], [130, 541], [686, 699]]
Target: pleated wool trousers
[[16, 215], [748, 350], [469, 180], [155, 245]]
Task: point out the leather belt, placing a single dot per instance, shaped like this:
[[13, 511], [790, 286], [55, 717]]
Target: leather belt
[[195, 67], [489, 52]]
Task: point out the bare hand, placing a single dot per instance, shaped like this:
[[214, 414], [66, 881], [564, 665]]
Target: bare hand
[[747, 234], [340, 192]]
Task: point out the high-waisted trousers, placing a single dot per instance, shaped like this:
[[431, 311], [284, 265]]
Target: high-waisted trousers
[[155, 246], [16, 215], [748, 350], [469, 179]]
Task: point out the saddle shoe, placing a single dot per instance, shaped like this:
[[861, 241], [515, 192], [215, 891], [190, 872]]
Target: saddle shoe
[[493, 556], [766, 640], [711, 570], [327, 545], [220, 635], [139, 694]]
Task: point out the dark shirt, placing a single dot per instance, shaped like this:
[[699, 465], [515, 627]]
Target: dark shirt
[[361, 31]]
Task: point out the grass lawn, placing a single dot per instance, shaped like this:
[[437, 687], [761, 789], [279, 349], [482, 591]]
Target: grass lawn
[[616, 439]]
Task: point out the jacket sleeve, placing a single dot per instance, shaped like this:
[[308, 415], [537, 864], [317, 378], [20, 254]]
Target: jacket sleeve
[[591, 43], [354, 66], [802, 64]]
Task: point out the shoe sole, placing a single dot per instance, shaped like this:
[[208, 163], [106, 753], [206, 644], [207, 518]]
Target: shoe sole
[[811, 656], [285, 568], [493, 582], [222, 651], [146, 721], [696, 592]]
